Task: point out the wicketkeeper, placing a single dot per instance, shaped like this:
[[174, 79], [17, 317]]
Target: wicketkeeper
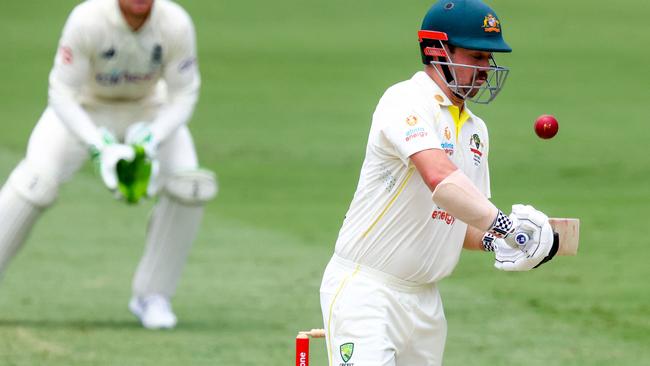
[[422, 197], [122, 90]]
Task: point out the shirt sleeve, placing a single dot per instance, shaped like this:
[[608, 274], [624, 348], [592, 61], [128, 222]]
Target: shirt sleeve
[[183, 81], [406, 130], [69, 73]]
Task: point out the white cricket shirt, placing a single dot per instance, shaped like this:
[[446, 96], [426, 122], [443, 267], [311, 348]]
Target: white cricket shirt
[[392, 224], [100, 61]]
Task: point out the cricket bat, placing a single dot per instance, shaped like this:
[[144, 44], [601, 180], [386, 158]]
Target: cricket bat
[[567, 231]]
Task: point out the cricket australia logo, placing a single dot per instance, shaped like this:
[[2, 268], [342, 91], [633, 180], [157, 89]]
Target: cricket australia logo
[[491, 24], [346, 349]]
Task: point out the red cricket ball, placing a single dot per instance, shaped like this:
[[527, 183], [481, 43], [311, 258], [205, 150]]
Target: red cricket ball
[[546, 126]]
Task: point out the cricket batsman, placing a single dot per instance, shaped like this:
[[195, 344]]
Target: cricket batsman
[[122, 90], [423, 196]]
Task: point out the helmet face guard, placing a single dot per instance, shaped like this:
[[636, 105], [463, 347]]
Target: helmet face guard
[[433, 47]]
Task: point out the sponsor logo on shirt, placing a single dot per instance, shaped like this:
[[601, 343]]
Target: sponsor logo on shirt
[[66, 55], [109, 53], [414, 133], [156, 55], [411, 120], [447, 133], [186, 64], [443, 216], [117, 77], [447, 145], [475, 146]]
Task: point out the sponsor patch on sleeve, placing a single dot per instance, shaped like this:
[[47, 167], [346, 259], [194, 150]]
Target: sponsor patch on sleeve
[[65, 53], [186, 64]]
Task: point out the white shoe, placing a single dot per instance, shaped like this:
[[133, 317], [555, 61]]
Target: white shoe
[[154, 312]]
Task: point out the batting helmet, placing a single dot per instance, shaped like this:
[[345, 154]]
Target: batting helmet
[[469, 24]]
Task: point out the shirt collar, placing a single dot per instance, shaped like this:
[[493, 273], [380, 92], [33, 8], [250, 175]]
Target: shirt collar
[[114, 14], [431, 89], [117, 18]]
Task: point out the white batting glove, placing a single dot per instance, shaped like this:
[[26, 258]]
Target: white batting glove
[[140, 133], [529, 244]]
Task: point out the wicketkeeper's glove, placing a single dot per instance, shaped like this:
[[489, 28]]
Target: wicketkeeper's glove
[[142, 137], [140, 134], [135, 177], [126, 170], [107, 156]]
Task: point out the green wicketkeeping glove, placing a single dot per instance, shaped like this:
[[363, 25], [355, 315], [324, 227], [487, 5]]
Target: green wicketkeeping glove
[[134, 177]]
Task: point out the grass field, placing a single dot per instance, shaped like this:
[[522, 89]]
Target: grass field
[[288, 90]]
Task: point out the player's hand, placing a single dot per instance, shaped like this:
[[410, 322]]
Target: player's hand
[[529, 244], [507, 258], [108, 159], [107, 155], [528, 229], [140, 134], [135, 177]]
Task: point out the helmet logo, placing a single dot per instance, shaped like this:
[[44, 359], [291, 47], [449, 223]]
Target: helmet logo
[[491, 24]]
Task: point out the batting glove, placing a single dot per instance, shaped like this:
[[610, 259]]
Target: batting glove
[[529, 244]]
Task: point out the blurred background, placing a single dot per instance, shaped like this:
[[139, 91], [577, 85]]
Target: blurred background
[[289, 88]]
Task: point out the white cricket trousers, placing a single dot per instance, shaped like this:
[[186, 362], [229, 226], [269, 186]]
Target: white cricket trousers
[[374, 319], [56, 152]]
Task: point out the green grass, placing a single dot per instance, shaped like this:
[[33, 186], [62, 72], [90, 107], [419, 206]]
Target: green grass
[[288, 90]]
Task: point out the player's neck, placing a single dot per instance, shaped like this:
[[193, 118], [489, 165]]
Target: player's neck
[[135, 21], [455, 100]]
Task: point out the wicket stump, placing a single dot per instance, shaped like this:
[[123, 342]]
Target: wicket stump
[[302, 345]]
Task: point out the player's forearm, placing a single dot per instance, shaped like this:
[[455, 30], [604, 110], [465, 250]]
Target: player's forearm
[[473, 237], [173, 115], [74, 117], [455, 193], [460, 197]]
